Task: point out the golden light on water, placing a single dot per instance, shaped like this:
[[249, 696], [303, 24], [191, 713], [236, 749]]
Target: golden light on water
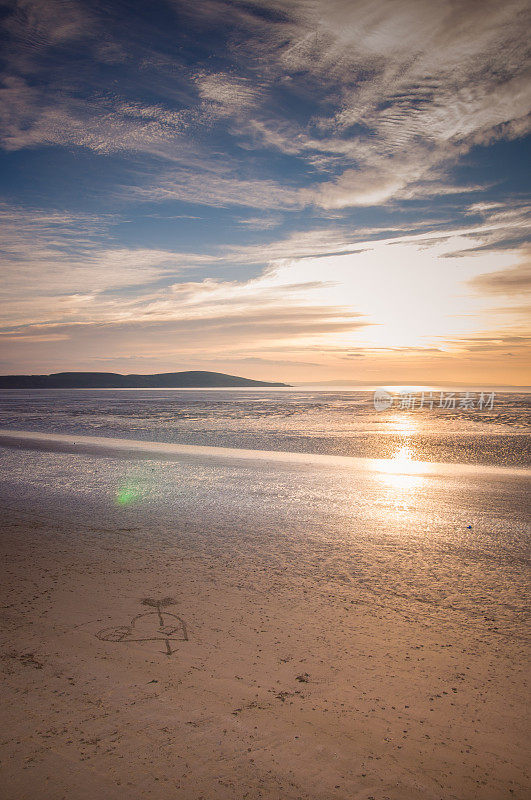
[[403, 425], [402, 459], [415, 389], [400, 474]]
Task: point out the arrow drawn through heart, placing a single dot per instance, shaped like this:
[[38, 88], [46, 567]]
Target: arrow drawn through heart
[[150, 626]]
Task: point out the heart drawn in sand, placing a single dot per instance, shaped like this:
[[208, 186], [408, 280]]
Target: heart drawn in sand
[[150, 626]]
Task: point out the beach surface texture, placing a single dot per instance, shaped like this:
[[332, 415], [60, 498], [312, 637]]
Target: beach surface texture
[[205, 624]]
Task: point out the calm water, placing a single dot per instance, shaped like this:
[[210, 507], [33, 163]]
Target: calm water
[[447, 539], [328, 422]]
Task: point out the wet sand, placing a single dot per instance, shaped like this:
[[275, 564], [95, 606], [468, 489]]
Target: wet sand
[[298, 677]]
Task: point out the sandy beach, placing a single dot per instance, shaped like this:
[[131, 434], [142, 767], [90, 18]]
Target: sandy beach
[[265, 401], [300, 665]]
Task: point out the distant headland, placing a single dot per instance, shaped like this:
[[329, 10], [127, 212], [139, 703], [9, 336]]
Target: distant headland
[[112, 380]]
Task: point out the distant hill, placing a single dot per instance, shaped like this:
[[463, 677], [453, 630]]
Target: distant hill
[[112, 380]]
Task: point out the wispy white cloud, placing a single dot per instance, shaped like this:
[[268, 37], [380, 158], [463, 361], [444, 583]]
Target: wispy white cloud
[[262, 222], [511, 282], [38, 24], [33, 116], [219, 186], [418, 85], [411, 87], [54, 265], [224, 94]]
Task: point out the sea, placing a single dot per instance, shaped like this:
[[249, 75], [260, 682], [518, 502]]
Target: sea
[[423, 505], [438, 426]]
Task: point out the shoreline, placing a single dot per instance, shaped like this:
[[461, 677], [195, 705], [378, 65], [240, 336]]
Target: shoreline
[[132, 449]]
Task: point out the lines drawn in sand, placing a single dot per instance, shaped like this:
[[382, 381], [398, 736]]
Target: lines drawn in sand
[[150, 626]]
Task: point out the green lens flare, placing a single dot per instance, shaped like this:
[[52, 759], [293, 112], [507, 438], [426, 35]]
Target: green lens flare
[[134, 486], [126, 495]]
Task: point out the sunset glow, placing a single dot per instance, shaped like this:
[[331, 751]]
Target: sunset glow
[[338, 196]]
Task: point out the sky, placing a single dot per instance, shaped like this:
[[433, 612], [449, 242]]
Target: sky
[[293, 190]]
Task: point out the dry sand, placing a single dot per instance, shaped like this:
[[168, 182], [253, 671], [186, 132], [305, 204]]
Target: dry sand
[[288, 687]]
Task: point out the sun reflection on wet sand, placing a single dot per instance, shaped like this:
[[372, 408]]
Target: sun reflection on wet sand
[[402, 424], [400, 478]]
